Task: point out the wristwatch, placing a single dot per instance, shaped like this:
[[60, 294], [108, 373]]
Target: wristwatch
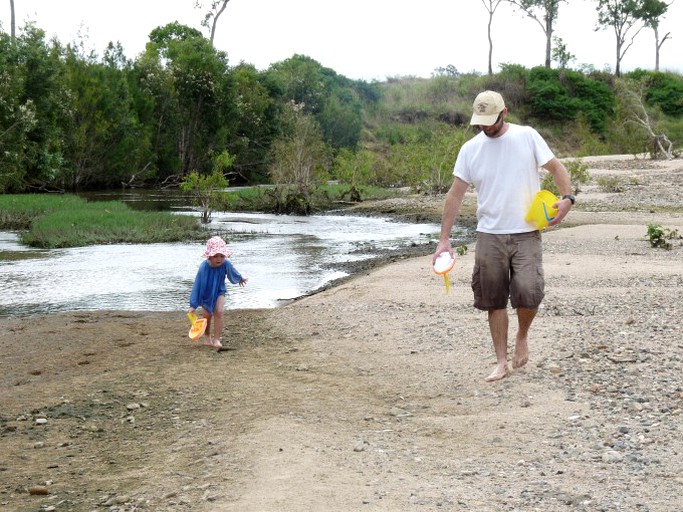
[[570, 197]]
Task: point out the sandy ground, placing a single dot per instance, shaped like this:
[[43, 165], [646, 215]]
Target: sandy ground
[[370, 395]]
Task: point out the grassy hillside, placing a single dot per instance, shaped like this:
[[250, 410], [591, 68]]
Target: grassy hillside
[[579, 114]]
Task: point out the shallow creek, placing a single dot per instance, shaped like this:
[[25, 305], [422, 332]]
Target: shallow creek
[[283, 257]]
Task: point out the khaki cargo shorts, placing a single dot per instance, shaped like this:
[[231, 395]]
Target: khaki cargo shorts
[[508, 267]]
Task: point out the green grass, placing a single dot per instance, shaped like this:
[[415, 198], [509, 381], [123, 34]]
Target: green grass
[[18, 211], [53, 221]]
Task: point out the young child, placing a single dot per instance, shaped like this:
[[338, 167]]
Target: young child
[[208, 291]]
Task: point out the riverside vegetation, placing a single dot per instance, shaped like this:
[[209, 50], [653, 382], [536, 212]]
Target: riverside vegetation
[[51, 221], [72, 122]]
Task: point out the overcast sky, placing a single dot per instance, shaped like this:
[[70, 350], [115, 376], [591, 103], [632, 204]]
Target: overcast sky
[[361, 39]]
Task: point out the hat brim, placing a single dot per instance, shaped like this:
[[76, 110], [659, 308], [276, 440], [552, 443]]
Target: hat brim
[[480, 120], [221, 250], [226, 252]]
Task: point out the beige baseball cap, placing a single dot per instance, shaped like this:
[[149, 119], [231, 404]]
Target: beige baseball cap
[[487, 105]]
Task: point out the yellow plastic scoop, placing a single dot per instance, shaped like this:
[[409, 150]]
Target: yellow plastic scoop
[[541, 211], [198, 326], [442, 266]]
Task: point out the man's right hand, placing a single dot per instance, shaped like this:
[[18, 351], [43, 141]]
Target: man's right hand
[[443, 246]]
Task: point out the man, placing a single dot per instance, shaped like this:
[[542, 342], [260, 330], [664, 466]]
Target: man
[[502, 162]]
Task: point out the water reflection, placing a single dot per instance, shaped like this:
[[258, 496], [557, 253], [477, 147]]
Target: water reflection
[[283, 256], [144, 199]]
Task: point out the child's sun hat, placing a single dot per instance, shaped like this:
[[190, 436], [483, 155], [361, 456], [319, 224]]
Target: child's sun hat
[[216, 245]]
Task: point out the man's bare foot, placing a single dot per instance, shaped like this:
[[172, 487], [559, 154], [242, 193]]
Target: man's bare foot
[[499, 373], [518, 362], [521, 355]]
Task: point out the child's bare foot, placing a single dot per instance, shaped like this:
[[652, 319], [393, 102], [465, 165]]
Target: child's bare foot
[[217, 344], [499, 373], [208, 341]]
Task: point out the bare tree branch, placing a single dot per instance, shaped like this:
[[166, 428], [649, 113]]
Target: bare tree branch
[[633, 94], [217, 8]]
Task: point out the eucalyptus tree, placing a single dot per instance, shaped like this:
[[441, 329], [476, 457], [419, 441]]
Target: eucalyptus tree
[[12, 20], [38, 71], [624, 17], [256, 124], [211, 18], [17, 118], [545, 13], [191, 99], [491, 6], [332, 99], [301, 80], [105, 144], [651, 12]]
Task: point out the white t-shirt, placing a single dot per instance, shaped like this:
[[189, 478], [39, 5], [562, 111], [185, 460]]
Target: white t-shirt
[[505, 172]]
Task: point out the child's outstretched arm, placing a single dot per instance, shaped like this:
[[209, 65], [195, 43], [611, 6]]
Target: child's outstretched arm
[[233, 275]]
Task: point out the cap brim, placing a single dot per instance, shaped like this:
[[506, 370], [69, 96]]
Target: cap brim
[[484, 120]]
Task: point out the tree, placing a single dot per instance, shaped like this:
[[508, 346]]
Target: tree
[[41, 80], [211, 17], [204, 187], [651, 12], [332, 99], [491, 6], [17, 118], [12, 20], [256, 124], [543, 12], [104, 142], [624, 16], [560, 53], [299, 160], [193, 95], [355, 170], [451, 71]]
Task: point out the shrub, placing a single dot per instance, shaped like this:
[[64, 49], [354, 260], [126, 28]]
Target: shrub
[[664, 90], [511, 82], [578, 175], [610, 184], [299, 160], [658, 236], [425, 162], [560, 95]]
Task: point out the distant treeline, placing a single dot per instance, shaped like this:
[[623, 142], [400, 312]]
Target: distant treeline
[[71, 121]]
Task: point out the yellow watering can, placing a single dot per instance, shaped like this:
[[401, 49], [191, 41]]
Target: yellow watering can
[[541, 212]]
